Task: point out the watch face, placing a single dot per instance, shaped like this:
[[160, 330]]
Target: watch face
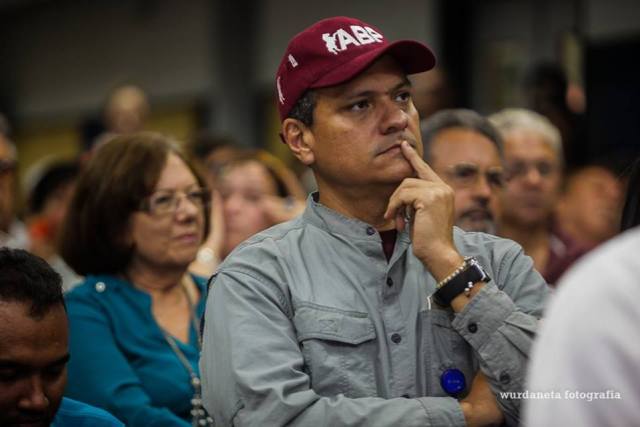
[[484, 277]]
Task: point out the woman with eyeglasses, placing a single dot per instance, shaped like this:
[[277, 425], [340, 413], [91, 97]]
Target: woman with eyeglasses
[[136, 221]]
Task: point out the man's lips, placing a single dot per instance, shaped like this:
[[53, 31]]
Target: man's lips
[[392, 149], [396, 146], [478, 214]]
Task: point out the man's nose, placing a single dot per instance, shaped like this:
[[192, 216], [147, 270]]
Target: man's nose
[[533, 176], [395, 118], [34, 398], [482, 188]]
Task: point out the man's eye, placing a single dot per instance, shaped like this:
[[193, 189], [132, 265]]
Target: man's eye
[[496, 179], [360, 105], [54, 371], [544, 168], [403, 96], [7, 375], [516, 169], [465, 173]]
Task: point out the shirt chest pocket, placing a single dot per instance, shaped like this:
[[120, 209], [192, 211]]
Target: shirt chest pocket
[[339, 350], [445, 349]]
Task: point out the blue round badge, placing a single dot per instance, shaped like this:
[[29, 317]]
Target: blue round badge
[[453, 381]]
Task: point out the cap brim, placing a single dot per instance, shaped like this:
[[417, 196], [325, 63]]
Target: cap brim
[[412, 56]]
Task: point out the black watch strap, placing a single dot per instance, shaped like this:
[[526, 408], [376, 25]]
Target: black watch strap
[[473, 273]]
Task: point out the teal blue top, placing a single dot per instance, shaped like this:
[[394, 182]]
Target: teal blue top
[[120, 360], [77, 414]]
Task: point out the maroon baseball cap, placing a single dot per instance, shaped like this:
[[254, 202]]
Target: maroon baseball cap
[[335, 50]]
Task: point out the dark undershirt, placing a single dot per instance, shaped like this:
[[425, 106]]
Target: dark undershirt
[[388, 242]]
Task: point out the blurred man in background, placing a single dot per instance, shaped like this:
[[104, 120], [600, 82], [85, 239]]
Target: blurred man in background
[[590, 205], [533, 165], [465, 150], [126, 110]]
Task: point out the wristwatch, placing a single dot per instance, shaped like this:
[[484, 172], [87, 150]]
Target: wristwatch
[[471, 273]]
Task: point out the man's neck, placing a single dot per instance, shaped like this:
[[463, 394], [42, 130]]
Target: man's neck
[[367, 206]]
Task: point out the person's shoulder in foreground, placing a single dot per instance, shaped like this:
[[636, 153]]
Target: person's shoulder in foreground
[[77, 414], [585, 366]]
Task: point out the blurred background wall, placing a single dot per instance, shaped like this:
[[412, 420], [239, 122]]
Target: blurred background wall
[[209, 64]]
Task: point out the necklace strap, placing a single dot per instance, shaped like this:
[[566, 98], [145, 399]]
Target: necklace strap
[[199, 416]]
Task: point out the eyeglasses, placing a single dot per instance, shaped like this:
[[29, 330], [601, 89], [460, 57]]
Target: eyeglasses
[[519, 169], [163, 202], [468, 175]]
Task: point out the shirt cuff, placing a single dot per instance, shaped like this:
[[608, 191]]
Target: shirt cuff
[[442, 411], [483, 315]]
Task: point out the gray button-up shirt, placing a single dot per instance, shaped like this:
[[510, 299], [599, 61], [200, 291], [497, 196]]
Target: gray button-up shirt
[[304, 327]]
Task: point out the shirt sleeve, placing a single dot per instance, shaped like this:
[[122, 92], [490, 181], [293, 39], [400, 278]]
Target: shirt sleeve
[[500, 332], [100, 374], [253, 373]]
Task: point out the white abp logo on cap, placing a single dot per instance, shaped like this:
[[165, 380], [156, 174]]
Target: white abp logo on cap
[[341, 39]]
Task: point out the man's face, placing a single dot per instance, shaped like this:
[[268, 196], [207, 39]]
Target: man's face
[[358, 127], [33, 364], [470, 163], [533, 179], [593, 203]]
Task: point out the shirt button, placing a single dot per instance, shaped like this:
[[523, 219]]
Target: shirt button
[[389, 281], [371, 231], [505, 378], [100, 287], [396, 338], [473, 328]]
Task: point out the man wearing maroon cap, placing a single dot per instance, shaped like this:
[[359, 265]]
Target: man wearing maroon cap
[[370, 308]]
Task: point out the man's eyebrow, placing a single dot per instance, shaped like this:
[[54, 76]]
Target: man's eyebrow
[[63, 360], [365, 93], [405, 82]]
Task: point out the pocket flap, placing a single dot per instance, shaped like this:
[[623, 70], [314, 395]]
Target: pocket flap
[[333, 324]]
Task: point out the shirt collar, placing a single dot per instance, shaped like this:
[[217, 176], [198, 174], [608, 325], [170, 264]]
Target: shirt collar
[[336, 223]]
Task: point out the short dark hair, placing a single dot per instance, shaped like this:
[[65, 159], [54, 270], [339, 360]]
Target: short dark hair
[[118, 177], [56, 176], [303, 108], [458, 118], [27, 278]]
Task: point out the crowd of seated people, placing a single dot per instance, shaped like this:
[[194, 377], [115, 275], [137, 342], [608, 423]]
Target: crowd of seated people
[[137, 228]]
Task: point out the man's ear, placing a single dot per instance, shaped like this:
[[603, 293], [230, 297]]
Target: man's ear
[[300, 140]]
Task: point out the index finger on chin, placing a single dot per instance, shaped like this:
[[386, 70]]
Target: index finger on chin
[[420, 166]]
